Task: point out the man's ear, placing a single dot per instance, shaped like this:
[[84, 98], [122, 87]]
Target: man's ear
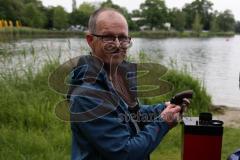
[[90, 40]]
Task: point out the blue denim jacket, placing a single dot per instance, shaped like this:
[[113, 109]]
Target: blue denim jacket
[[102, 134]]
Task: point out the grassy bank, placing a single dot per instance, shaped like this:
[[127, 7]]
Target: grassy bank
[[179, 79], [25, 32], [22, 32], [29, 128], [166, 34]]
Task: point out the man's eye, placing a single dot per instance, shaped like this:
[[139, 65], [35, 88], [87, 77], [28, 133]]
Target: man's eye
[[123, 38], [109, 38]]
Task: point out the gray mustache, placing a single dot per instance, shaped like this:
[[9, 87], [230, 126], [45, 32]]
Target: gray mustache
[[111, 48]]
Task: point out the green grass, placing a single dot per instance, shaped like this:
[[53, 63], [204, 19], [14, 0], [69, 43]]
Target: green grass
[[26, 32], [29, 128], [13, 32], [180, 79]]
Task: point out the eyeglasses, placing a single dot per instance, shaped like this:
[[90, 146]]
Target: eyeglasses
[[111, 38], [109, 42]]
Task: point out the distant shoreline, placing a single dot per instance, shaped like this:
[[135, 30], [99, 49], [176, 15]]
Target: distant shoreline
[[229, 115], [214, 106], [33, 32], [185, 34]]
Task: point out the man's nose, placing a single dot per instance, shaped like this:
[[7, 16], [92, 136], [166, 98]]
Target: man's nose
[[117, 42]]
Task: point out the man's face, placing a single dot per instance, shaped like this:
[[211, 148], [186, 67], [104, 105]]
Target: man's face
[[109, 23]]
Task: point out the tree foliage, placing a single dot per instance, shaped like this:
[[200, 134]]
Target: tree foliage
[[201, 7], [197, 15], [81, 15], [197, 26], [154, 12], [237, 27], [214, 27], [49, 14], [33, 17], [177, 18], [226, 21], [60, 18], [11, 9]]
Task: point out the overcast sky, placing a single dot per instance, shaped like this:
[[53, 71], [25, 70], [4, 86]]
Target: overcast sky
[[220, 5]]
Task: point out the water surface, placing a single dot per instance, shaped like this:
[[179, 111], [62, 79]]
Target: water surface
[[214, 61]]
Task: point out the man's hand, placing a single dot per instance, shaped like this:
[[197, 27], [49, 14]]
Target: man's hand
[[171, 114]]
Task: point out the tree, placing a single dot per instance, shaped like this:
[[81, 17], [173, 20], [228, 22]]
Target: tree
[[60, 18], [203, 8], [81, 15], [86, 10], [180, 21], [154, 12], [49, 14], [75, 17], [226, 21], [137, 20], [110, 4], [131, 25], [197, 26], [214, 25], [136, 13], [11, 9], [30, 12], [37, 3], [33, 17], [177, 19], [237, 27]]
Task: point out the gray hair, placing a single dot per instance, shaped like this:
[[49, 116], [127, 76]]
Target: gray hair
[[93, 18]]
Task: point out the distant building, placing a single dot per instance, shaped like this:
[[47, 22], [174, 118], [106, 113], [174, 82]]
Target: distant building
[[144, 28], [167, 25], [79, 28], [137, 19]]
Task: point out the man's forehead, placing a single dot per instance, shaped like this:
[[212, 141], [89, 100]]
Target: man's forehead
[[108, 16]]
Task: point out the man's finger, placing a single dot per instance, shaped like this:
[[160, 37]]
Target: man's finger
[[176, 109], [171, 106], [167, 103]]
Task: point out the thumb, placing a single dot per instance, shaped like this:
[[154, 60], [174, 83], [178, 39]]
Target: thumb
[[176, 109]]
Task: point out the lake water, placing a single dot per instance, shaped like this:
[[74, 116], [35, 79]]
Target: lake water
[[214, 61]]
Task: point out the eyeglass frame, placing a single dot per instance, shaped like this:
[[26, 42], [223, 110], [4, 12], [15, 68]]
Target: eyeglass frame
[[116, 37]]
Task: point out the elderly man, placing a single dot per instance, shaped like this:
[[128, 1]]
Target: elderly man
[[97, 105]]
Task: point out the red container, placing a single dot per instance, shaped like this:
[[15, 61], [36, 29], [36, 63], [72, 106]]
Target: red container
[[201, 141]]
